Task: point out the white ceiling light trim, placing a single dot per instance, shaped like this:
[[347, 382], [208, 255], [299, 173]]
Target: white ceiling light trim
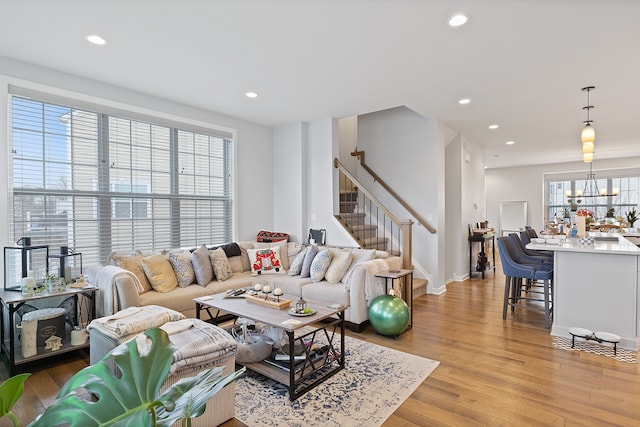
[[494, 126], [251, 94], [464, 101]]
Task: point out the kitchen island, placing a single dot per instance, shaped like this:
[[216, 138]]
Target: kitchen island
[[595, 286]]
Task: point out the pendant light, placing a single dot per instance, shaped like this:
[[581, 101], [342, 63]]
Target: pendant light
[[588, 135]]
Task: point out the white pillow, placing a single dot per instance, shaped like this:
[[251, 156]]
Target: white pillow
[[339, 265], [265, 261], [320, 265]]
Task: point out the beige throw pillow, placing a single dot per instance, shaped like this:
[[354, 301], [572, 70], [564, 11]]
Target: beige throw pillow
[[160, 273], [339, 265], [220, 264], [133, 264]]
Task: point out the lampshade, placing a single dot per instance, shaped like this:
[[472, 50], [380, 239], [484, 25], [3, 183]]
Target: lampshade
[[588, 134], [587, 147], [587, 157]]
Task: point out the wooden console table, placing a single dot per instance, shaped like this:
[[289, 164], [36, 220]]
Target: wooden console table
[[482, 255]]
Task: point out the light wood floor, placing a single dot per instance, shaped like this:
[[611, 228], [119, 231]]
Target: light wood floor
[[492, 372]]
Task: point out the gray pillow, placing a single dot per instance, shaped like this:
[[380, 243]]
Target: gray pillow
[[296, 266], [202, 266], [308, 259]]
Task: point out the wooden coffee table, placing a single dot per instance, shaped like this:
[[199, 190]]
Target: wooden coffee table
[[311, 370]]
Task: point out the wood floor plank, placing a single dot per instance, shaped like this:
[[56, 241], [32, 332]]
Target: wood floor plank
[[492, 371]]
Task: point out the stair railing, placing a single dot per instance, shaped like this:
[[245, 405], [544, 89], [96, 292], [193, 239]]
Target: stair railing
[[376, 178], [366, 218]]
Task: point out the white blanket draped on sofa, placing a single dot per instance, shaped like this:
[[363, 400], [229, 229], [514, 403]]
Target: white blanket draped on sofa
[[104, 278], [373, 286]]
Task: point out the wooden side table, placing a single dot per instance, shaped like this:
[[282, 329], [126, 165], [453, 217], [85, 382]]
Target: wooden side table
[[483, 261], [406, 278]]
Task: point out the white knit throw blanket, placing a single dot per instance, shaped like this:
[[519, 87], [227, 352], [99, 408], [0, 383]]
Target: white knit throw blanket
[[133, 320], [197, 343]]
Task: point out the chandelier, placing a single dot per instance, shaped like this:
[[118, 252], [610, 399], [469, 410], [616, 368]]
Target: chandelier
[[588, 137]]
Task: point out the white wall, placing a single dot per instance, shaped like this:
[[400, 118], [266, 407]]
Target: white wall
[[454, 256], [348, 142], [526, 183], [407, 151], [253, 143], [290, 180], [322, 148]]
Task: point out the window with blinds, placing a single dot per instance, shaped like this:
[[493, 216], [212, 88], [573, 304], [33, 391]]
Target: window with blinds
[[99, 183], [627, 198]]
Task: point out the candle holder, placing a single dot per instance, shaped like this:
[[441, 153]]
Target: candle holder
[[70, 264]]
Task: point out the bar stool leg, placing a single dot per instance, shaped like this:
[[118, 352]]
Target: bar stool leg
[[507, 292], [547, 314]]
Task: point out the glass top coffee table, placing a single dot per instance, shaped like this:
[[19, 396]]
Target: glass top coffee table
[[313, 364]]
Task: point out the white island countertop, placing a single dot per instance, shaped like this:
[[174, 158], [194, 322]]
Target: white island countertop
[[606, 243]]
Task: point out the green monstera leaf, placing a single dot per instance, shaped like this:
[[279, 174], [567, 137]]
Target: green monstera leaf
[[10, 392], [133, 399]]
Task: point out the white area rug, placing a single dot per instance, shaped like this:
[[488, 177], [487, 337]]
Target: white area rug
[[375, 382]]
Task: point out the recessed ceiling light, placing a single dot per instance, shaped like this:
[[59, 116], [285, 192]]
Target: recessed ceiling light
[[464, 101], [510, 142], [96, 40], [493, 126], [251, 94], [457, 20]]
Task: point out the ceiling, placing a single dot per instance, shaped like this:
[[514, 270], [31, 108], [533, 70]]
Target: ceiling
[[521, 62]]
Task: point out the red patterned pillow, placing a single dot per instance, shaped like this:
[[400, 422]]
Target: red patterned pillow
[[271, 236]]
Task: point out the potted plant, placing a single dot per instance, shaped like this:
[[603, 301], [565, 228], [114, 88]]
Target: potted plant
[[10, 392], [632, 217], [133, 398]]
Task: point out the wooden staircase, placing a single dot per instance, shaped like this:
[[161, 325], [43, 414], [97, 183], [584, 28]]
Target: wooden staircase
[[358, 223]]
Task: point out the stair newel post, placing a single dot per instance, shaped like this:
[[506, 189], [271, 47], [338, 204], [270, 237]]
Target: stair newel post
[[405, 226]]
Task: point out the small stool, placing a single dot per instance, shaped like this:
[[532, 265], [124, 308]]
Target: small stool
[[599, 337]]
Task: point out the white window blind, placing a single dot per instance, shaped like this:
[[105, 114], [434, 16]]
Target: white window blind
[[99, 182]]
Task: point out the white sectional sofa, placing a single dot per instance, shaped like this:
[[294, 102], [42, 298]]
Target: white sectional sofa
[[350, 272]]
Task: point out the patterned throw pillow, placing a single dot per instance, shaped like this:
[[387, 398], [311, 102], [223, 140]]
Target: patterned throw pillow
[[202, 265], [312, 251], [220, 264], [271, 236], [183, 268], [133, 264], [296, 266], [265, 261], [159, 272], [283, 251], [320, 265]]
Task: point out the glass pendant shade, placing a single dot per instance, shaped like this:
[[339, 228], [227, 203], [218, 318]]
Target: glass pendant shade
[[587, 147], [588, 134], [587, 157]]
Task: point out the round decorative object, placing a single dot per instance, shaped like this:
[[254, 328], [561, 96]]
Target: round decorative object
[[266, 289], [257, 287], [277, 292], [389, 315]]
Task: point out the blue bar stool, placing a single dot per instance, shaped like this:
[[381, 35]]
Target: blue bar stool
[[515, 272]]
